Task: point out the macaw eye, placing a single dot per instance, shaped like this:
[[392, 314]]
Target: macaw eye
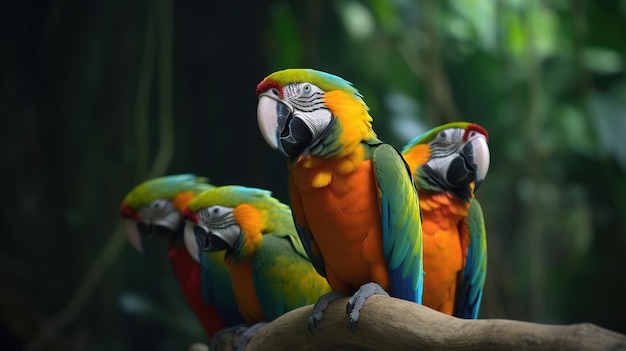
[[442, 134], [216, 211], [306, 89], [157, 204], [155, 210], [214, 215]]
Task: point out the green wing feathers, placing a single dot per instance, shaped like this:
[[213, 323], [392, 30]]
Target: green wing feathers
[[401, 223], [283, 278]]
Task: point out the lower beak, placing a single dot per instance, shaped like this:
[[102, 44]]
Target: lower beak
[[215, 243]]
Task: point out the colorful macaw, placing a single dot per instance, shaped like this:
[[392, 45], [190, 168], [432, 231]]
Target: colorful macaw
[[353, 198], [271, 273], [155, 208], [449, 163]]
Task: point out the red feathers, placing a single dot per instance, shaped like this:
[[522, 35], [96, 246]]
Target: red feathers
[[268, 84], [190, 216], [128, 212], [474, 128], [188, 275]]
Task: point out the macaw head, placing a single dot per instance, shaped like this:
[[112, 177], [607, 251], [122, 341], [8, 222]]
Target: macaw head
[[305, 112], [231, 218], [453, 157], [155, 207]]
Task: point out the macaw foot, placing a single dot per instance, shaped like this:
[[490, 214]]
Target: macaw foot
[[320, 307], [247, 334], [356, 302], [236, 329]]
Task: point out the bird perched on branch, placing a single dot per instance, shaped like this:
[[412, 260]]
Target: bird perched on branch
[[154, 209], [353, 199], [449, 164], [271, 273]]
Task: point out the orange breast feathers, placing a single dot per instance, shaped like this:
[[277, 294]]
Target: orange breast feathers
[[446, 238], [344, 217]]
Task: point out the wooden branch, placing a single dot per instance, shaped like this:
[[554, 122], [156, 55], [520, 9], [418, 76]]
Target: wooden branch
[[388, 323]]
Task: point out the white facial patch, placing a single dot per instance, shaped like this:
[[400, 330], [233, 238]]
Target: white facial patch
[[219, 221], [308, 105], [161, 212]]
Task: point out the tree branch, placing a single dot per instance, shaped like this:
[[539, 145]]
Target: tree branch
[[388, 323]]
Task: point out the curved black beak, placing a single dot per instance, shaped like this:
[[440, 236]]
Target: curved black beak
[[280, 128]]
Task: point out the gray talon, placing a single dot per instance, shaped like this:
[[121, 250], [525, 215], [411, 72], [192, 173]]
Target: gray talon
[[356, 302], [319, 308], [247, 334]]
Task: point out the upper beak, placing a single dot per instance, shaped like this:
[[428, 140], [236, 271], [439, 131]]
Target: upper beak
[[280, 128], [194, 237], [476, 154], [133, 233]]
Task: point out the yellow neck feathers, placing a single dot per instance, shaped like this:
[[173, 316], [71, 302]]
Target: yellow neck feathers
[[356, 127]]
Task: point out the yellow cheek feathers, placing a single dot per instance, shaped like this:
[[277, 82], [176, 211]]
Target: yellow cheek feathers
[[251, 221], [355, 121], [356, 126], [417, 156]]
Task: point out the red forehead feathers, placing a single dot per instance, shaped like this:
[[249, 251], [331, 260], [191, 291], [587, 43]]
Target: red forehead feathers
[[475, 128], [268, 84], [190, 216], [128, 212]]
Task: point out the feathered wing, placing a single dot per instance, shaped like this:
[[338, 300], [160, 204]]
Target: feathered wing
[[401, 223], [283, 278], [217, 288], [470, 291]]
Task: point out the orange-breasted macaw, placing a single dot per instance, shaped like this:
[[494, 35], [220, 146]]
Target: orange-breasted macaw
[[271, 273], [449, 163], [353, 198], [155, 208]]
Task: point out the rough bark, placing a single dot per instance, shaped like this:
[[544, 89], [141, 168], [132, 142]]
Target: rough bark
[[392, 324]]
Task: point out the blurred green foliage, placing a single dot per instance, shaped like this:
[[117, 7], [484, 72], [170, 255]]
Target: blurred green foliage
[[97, 96]]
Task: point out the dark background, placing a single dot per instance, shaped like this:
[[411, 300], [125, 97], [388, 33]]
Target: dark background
[[97, 96]]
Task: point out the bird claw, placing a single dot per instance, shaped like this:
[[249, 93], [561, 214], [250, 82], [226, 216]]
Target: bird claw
[[314, 322], [247, 334], [356, 302], [237, 329], [353, 325], [319, 308]]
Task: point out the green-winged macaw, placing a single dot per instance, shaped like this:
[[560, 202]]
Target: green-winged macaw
[[155, 208], [271, 273], [354, 202], [449, 163]]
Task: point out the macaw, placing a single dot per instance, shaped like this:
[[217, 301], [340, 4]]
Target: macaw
[[271, 273], [155, 208], [353, 198], [449, 164]]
